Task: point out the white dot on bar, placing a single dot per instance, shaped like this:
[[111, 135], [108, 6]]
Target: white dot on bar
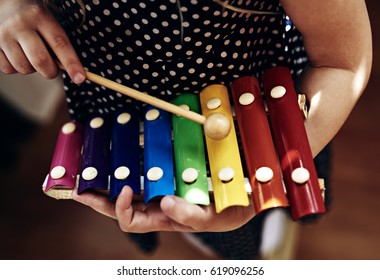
[[185, 107], [226, 174], [89, 173], [123, 118], [300, 175], [278, 92], [246, 98], [152, 114], [264, 174], [96, 122], [68, 128], [154, 174], [57, 172], [189, 175], [214, 103], [122, 173]]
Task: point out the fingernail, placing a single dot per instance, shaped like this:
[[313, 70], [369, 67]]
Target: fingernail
[[78, 78], [124, 189]]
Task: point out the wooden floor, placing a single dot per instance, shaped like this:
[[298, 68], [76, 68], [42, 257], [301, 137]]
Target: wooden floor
[[34, 226]]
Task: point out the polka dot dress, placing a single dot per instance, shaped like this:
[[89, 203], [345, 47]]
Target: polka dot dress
[[168, 47]]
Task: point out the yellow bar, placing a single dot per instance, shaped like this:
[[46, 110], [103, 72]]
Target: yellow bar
[[223, 153]]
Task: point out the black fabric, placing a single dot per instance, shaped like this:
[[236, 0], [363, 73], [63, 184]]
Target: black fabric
[[146, 242], [240, 244], [165, 48]]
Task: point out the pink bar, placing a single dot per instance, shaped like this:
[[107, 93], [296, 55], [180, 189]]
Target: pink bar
[[292, 144], [258, 145], [67, 154]]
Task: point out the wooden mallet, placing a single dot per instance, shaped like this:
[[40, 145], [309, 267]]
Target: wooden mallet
[[216, 125]]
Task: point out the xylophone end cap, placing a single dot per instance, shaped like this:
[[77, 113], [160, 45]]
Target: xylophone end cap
[[217, 126]]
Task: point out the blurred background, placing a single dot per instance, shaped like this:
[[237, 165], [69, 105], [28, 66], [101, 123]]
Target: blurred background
[[35, 226]]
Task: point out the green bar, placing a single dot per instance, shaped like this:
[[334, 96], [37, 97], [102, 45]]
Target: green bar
[[189, 152]]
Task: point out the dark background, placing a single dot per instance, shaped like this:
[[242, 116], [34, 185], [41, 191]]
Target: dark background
[[34, 226]]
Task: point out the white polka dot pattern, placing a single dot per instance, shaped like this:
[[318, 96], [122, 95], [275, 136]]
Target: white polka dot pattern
[[163, 48]]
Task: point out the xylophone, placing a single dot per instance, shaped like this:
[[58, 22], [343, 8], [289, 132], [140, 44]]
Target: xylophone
[[103, 154]]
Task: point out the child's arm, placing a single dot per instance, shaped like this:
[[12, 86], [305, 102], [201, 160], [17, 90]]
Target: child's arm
[[337, 39], [27, 32]]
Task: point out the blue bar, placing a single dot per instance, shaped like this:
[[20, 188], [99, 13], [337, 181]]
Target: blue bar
[[158, 152], [125, 151]]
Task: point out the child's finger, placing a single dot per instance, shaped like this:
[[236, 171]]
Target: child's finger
[[17, 58], [60, 44], [38, 55], [99, 203], [140, 218], [201, 218], [5, 66], [185, 213]]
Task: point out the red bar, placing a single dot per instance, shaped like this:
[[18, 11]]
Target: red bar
[[259, 150], [292, 144]]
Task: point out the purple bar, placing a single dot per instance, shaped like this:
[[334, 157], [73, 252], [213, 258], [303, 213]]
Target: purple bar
[[95, 156]]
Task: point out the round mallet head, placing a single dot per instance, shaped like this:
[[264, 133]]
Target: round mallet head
[[217, 126]]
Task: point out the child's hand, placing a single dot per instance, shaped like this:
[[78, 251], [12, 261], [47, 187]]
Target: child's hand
[[27, 32], [171, 214]]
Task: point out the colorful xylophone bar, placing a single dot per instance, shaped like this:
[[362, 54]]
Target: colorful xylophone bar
[[290, 138]]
